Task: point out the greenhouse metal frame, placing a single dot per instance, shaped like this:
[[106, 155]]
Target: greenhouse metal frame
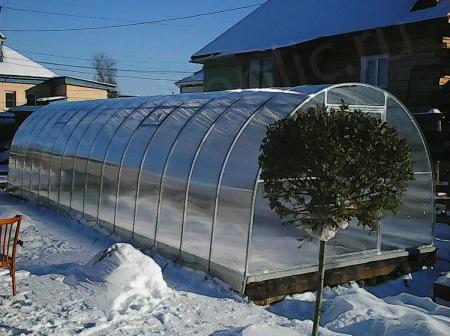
[[179, 174]]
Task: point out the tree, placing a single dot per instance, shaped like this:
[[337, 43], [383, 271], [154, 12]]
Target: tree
[[106, 68], [321, 168]]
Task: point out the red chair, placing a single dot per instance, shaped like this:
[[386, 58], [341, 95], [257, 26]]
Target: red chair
[[9, 237]]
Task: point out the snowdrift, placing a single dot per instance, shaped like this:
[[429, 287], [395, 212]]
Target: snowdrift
[[353, 310], [129, 278]]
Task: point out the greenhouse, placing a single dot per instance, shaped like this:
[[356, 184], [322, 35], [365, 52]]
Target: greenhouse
[[179, 175]]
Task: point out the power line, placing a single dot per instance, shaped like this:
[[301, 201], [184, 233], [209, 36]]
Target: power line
[[61, 14], [83, 59], [90, 73], [178, 18], [74, 15], [118, 69]]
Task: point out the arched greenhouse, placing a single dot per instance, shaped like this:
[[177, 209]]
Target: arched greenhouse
[[180, 174]]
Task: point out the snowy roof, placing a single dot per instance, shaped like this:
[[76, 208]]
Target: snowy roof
[[281, 23], [196, 78], [15, 64]]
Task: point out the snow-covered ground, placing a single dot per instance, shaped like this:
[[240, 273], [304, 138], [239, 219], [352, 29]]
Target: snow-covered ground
[[72, 279]]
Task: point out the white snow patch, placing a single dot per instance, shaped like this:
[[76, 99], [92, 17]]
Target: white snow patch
[[128, 276], [15, 64], [268, 330], [67, 284], [353, 310]]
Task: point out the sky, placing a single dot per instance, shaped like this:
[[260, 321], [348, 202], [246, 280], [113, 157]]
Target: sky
[[164, 46]]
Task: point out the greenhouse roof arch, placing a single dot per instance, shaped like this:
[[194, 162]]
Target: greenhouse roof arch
[[180, 174]]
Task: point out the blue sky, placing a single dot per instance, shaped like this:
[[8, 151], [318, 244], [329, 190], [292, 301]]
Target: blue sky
[[153, 47]]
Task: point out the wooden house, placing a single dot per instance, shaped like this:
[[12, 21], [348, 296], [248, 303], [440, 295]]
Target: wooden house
[[402, 46]]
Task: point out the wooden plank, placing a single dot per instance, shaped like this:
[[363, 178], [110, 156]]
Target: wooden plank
[[371, 273]]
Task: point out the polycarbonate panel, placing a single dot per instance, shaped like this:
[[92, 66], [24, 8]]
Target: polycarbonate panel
[[402, 120], [35, 123], [206, 171], [60, 146], [48, 147], [127, 184], [86, 146], [23, 147], [308, 89], [16, 151], [66, 172], [179, 160], [175, 179], [234, 202], [276, 246], [413, 225], [356, 95], [38, 151], [30, 146], [114, 157], [153, 164], [312, 102], [94, 168]]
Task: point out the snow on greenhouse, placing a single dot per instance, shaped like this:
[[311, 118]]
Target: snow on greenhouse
[[180, 174]]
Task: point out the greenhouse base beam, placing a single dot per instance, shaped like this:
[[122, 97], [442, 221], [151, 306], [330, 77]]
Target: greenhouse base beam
[[269, 288]]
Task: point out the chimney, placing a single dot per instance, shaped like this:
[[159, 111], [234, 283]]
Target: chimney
[[2, 40]]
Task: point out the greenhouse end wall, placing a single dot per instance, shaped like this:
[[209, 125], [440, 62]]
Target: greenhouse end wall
[[180, 174]]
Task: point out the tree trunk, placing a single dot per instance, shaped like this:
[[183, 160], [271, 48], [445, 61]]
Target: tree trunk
[[317, 313]]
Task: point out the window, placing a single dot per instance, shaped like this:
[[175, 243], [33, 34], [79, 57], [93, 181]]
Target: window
[[10, 98], [31, 99], [261, 73], [374, 70]]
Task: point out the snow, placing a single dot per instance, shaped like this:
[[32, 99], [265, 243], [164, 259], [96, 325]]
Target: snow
[[444, 280], [15, 64], [126, 274], [281, 23], [267, 330], [325, 233], [430, 111], [73, 279], [196, 78]]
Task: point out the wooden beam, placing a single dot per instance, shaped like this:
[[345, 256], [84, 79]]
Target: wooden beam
[[374, 272]]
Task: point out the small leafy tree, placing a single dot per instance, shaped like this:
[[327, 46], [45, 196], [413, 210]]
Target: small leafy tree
[[321, 168]]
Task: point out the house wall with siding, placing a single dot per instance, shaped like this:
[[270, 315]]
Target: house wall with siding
[[76, 93]]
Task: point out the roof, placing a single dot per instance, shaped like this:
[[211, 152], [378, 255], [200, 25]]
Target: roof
[[82, 82], [194, 79], [15, 64], [23, 108], [282, 23]]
